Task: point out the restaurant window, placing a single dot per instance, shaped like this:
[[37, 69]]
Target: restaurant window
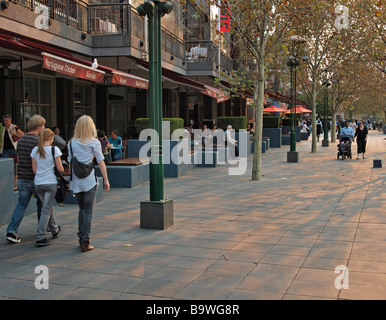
[[37, 100], [82, 100]]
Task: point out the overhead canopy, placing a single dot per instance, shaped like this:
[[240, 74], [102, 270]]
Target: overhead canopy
[[218, 94], [71, 68]]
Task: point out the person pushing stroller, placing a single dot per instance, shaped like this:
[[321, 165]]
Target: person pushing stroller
[[346, 137], [347, 132]]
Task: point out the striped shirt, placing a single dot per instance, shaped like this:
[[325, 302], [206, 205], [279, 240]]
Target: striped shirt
[[24, 147]]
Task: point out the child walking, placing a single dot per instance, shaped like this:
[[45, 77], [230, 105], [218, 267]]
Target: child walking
[[46, 184]]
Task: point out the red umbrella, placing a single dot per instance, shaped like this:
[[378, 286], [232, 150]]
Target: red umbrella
[[274, 109], [299, 109]]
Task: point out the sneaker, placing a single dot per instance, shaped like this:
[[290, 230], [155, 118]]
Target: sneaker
[[55, 234], [43, 242], [12, 237]]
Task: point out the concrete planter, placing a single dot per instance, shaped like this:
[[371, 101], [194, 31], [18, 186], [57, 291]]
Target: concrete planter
[[274, 135]]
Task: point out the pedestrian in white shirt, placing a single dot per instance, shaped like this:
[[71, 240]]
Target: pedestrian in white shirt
[[46, 184]]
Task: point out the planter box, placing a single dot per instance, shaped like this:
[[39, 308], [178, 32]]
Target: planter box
[[171, 168], [99, 194], [205, 158], [286, 139], [263, 146], [126, 176], [287, 129], [274, 135], [304, 135]]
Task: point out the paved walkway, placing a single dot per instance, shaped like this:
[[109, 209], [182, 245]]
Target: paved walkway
[[232, 238]]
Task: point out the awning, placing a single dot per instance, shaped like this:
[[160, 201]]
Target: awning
[[71, 68], [15, 47], [175, 77], [130, 80], [218, 94]]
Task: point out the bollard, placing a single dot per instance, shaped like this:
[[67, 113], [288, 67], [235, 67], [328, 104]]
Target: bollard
[[377, 163]]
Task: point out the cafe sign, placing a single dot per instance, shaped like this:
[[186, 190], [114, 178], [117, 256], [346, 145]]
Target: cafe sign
[[71, 68]]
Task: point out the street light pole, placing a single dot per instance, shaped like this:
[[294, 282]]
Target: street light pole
[[293, 63], [325, 142], [158, 212]]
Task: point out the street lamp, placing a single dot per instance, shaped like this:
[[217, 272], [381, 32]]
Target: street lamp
[[158, 212], [293, 62], [325, 142]]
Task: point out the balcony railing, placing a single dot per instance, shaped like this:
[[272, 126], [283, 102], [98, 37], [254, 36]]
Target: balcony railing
[[206, 51], [123, 19], [69, 12]]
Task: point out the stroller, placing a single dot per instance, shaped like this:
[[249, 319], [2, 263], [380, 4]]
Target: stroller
[[344, 148]]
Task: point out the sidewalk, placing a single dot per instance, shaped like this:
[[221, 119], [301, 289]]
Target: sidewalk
[[232, 238]]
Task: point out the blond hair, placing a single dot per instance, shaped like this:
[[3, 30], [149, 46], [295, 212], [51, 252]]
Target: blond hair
[[85, 129], [44, 136]]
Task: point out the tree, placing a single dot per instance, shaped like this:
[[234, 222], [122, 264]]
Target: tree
[[258, 28]]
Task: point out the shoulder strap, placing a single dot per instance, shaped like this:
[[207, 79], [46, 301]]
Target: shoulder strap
[[53, 157], [72, 156]]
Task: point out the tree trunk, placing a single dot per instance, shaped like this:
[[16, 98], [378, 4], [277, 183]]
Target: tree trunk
[[259, 105], [333, 125]]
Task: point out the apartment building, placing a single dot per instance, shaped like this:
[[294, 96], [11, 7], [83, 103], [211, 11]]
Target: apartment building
[[66, 58]]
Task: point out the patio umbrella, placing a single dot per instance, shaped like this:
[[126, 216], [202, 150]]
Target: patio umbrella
[[274, 109], [299, 109]]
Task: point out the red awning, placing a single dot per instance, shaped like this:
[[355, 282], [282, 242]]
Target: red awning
[[130, 80], [218, 94], [18, 48], [71, 68]]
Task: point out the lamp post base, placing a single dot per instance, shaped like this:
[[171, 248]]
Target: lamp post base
[[325, 143], [292, 156], [156, 214]]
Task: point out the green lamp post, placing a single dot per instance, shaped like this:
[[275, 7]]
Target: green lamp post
[[293, 63], [158, 212], [325, 142]]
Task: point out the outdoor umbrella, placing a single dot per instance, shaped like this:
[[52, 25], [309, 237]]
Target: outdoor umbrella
[[299, 109], [273, 109]]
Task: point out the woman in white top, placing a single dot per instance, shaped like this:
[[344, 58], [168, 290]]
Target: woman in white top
[[46, 184], [84, 146]]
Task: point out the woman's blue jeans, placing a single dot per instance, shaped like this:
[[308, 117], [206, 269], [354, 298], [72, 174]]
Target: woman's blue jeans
[[46, 193], [86, 201]]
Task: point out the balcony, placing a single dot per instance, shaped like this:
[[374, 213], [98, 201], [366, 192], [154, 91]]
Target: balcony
[[118, 30]]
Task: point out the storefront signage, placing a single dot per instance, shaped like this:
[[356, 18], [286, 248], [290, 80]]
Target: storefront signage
[[129, 80], [71, 68]]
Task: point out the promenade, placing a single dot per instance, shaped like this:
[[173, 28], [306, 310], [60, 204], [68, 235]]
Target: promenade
[[292, 235]]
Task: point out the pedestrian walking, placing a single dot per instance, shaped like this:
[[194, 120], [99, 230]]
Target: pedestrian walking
[[361, 134], [83, 147], [318, 128], [25, 180], [10, 136], [46, 185]]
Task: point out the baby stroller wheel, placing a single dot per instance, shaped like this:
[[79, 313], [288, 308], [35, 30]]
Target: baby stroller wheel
[[350, 155], [337, 156]]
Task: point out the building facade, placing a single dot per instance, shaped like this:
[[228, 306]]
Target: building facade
[[66, 58]]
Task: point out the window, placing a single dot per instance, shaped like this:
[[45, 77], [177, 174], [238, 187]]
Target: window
[[37, 100], [82, 100]]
